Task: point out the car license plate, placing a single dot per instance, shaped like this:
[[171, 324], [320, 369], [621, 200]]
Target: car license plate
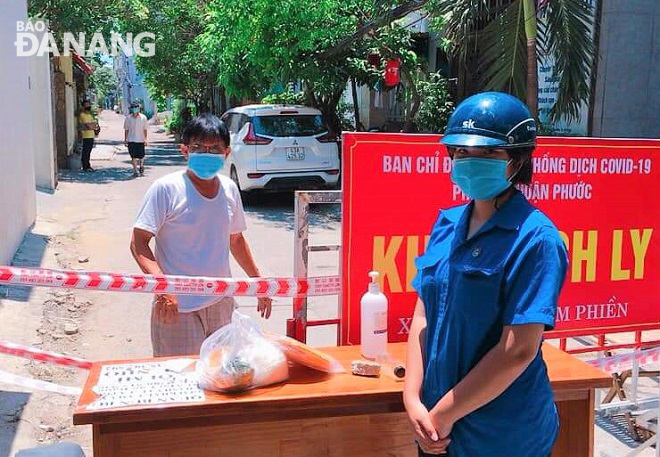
[[295, 153]]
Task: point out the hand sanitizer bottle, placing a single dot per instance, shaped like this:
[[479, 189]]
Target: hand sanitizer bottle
[[373, 331]]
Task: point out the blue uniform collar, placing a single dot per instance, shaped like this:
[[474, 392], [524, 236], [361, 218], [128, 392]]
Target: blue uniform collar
[[509, 217]]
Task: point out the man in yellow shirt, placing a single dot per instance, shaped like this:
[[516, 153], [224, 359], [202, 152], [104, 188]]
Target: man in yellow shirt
[[87, 124]]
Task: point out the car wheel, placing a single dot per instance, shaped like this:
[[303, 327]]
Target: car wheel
[[233, 174], [234, 177]]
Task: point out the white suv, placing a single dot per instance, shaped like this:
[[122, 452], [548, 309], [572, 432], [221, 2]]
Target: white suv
[[276, 147]]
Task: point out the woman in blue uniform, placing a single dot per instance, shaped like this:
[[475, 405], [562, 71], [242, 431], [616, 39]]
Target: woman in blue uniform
[[476, 384]]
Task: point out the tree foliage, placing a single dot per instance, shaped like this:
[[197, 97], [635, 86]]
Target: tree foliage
[[565, 28], [436, 106], [82, 16], [103, 81], [178, 67], [250, 46], [259, 43], [489, 43]]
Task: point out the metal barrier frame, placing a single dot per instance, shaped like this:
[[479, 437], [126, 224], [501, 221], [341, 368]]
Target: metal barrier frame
[[297, 326], [601, 334]]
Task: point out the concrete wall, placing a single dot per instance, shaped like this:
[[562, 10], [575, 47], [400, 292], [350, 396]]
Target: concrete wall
[[627, 98], [66, 65], [66, 107], [17, 195], [59, 114], [41, 114]]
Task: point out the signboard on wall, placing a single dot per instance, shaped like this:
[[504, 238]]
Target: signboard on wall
[[548, 86], [600, 193]]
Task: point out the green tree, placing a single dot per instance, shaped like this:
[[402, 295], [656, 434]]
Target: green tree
[[103, 81], [178, 68], [81, 16], [259, 43], [496, 45], [502, 44], [436, 105], [250, 46]]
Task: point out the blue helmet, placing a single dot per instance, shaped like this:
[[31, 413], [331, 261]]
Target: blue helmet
[[491, 120]]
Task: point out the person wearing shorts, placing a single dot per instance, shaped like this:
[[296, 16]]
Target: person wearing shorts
[[135, 137]]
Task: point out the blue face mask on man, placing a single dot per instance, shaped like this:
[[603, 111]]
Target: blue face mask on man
[[481, 179], [205, 165]]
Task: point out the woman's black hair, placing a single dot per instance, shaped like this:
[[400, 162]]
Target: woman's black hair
[[522, 160], [206, 128]]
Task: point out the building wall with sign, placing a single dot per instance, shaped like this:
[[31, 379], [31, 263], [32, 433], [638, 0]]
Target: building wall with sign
[[548, 83], [627, 92], [17, 195]]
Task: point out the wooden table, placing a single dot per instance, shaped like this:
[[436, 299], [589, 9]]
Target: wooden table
[[313, 415]]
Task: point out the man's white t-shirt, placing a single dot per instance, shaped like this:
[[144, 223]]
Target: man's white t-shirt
[[136, 125], [192, 231]]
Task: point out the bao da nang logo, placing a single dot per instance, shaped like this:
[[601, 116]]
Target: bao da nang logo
[[33, 38]]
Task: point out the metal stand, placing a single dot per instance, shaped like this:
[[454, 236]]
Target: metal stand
[[297, 326]]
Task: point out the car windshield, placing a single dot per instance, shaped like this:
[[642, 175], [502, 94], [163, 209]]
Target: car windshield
[[289, 125]]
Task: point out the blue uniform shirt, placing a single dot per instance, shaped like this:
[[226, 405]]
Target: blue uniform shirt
[[509, 273]]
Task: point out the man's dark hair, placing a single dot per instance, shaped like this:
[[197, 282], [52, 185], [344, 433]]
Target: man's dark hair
[[86, 101], [522, 159], [206, 128]]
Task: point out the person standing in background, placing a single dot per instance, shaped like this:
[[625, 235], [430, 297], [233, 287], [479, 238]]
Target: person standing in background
[[87, 125], [135, 137]]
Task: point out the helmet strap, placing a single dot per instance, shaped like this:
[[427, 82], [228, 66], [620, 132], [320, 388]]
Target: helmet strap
[[505, 193], [508, 190], [510, 178]]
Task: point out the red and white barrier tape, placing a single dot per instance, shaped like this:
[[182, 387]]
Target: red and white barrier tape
[[619, 363], [43, 356], [35, 384], [177, 285]]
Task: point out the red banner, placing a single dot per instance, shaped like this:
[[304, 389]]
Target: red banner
[[601, 194]]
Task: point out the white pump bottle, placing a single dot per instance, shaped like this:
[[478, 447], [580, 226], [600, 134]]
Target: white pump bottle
[[373, 331]]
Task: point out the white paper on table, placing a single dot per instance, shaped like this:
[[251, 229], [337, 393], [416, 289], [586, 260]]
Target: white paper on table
[[146, 383]]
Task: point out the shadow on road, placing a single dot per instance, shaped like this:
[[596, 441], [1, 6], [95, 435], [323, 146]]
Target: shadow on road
[[161, 143], [11, 407], [30, 255], [157, 153], [617, 427], [159, 156], [100, 176], [278, 208], [108, 142]]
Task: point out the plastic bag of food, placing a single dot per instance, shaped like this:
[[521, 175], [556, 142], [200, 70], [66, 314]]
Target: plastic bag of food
[[238, 357], [306, 355]]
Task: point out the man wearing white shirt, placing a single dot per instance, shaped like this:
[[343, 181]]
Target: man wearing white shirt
[[135, 137], [196, 217]]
